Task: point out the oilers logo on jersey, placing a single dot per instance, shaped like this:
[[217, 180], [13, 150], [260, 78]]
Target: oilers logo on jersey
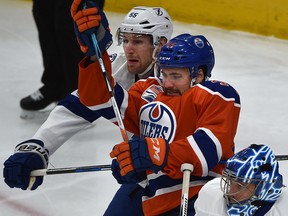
[[157, 120]]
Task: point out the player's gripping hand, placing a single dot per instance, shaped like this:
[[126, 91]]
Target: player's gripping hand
[[28, 156], [141, 155], [90, 19], [131, 177]]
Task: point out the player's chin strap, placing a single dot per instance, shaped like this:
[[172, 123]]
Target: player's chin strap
[[193, 81], [149, 68], [194, 77]]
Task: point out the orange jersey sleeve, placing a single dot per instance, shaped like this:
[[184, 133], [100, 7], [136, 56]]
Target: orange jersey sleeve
[[92, 87], [216, 118]]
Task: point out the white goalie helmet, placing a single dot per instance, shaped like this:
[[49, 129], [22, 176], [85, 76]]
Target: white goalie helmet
[[153, 21]]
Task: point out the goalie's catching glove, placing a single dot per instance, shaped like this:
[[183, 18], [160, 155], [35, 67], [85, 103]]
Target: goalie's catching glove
[[139, 155], [28, 156], [90, 20]]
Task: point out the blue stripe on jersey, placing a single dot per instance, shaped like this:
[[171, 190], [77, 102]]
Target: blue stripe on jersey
[[164, 181], [108, 112], [223, 88], [73, 104], [119, 92], [207, 147]]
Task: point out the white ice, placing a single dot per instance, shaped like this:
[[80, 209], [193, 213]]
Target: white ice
[[256, 66]]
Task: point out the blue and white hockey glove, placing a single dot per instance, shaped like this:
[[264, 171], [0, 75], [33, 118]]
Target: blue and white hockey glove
[[28, 156], [141, 155], [90, 20], [130, 178]]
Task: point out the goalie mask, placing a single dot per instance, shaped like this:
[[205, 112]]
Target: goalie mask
[[250, 180]]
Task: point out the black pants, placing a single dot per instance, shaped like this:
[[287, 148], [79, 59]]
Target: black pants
[[60, 49]]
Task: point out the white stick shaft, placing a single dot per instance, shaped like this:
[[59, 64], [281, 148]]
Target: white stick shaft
[[186, 169]]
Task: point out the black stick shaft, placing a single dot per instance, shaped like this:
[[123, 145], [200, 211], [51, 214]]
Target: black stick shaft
[[42, 172], [281, 157]]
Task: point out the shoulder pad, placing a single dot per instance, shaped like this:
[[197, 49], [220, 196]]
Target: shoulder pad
[[222, 88]]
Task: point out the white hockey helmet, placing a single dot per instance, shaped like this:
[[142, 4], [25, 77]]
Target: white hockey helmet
[[153, 21]]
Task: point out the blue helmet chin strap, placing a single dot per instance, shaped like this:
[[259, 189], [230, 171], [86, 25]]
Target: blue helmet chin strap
[[194, 75]]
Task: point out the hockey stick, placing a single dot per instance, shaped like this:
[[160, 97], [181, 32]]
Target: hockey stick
[[278, 158], [116, 111], [109, 85], [42, 172], [281, 157], [186, 169]]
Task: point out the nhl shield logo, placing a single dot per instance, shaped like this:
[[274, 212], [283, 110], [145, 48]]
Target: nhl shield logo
[[157, 120]]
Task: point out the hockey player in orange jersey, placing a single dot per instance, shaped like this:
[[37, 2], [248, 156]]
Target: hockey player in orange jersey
[[178, 117]]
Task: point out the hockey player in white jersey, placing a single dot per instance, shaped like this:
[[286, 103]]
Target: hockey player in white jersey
[[143, 32], [250, 185]]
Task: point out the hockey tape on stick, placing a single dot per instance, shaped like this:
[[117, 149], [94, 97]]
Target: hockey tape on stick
[[42, 172], [186, 169]]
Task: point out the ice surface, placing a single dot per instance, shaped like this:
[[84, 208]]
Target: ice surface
[[256, 66]]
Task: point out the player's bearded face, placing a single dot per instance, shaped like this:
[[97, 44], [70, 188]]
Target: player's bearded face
[[175, 81], [138, 50]]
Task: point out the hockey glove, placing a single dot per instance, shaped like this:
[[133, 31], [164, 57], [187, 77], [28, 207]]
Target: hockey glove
[[90, 20], [130, 178], [28, 156], [141, 155]]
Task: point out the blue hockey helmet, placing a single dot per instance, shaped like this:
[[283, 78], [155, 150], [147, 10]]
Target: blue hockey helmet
[[188, 51], [254, 165]]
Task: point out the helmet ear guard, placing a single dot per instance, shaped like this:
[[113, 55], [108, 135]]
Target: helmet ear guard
[[254, 165]]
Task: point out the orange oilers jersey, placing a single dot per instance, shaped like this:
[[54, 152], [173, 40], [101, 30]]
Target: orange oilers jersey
[[200, 127]]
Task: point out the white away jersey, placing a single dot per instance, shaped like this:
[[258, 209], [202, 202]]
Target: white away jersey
[[70, 116], [211, 202]]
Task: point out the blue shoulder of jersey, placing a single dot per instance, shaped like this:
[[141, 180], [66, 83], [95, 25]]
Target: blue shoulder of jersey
[[223, 88]]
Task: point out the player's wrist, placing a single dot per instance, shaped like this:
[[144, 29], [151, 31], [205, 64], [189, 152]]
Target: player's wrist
[[34, 146]]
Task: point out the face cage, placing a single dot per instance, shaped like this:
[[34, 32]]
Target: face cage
[[225, 184]]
